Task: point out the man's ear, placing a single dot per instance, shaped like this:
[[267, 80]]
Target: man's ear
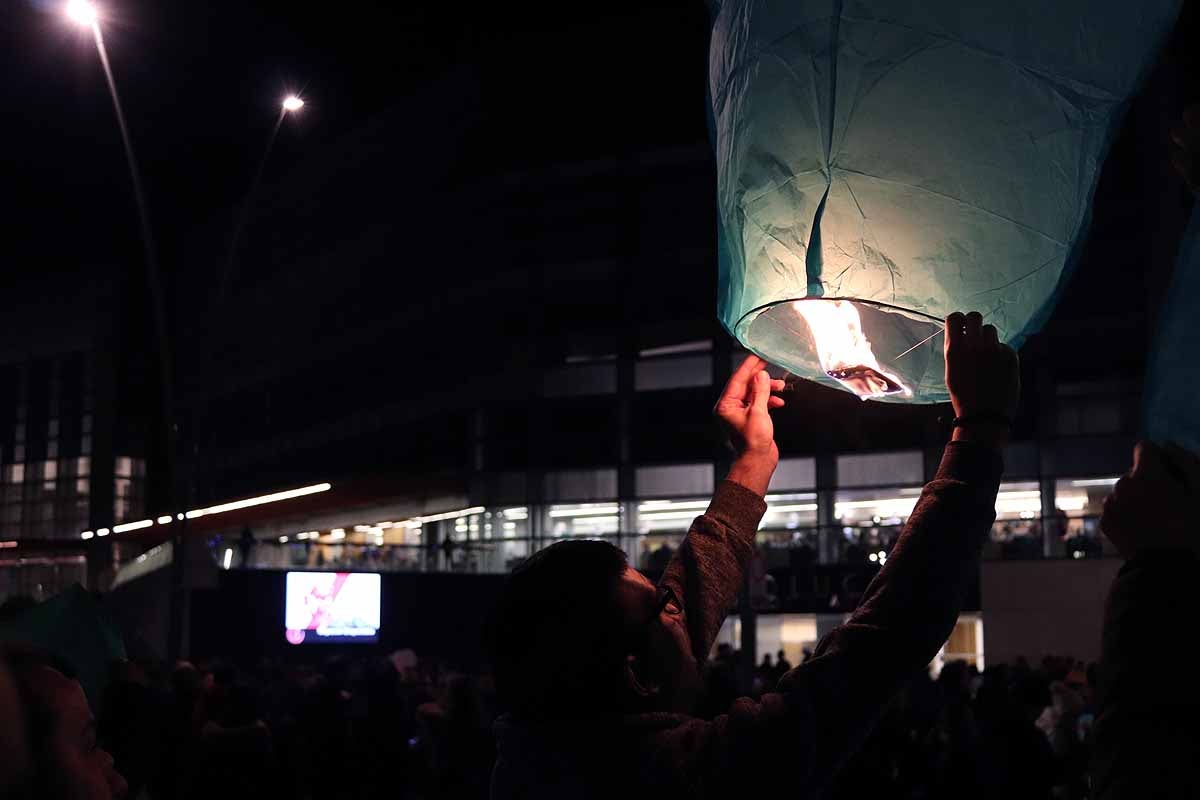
[[635, 678]]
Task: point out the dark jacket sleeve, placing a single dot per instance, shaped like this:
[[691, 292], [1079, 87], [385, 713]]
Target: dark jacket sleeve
[[1146, 742], [706, 572], [828, 704]]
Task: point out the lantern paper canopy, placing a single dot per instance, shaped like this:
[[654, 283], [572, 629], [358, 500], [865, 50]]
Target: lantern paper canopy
[[883, 163]]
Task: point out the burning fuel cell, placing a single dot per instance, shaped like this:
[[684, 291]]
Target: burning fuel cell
[[881, 164], [843, 350]]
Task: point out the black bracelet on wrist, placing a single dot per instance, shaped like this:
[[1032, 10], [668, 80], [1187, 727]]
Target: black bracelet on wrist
[[982, 418]]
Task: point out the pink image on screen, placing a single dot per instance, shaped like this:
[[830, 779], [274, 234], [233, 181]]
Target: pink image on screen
[[320, 603], [294, 636]]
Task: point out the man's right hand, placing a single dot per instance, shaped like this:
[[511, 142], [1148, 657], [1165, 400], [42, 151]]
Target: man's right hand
[[984, 379]]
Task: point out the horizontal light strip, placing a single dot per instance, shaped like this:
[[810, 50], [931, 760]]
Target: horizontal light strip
[[698, 346], [165, 519], [790, 508], [595, 511], [898, 502], [1029, 494], [664, 515], [8, 545], [671, 505], [258, 501], [1095, 482], [133, 526], [466, 512]]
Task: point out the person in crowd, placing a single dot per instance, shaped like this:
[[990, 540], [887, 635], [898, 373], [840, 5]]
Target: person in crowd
[[767, 668], [246, 545], [460, 750], [1145, 737], [599, 668], [1146, 742], [65, 760], [782, 665]]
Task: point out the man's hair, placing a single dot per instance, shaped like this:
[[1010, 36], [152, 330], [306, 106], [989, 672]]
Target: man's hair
[[559, 635]]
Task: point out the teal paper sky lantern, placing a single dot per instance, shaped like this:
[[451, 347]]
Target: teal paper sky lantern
[[1173, 378], [882, 163]]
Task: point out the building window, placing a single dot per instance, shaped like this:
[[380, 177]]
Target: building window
[[1017, 532], [580, 379], [789, 518], [673, 372], [678, 479], [871, 520], [582, 520], [1079, 502], [582, 484], [880, 469], [794, 473], [502, 541]]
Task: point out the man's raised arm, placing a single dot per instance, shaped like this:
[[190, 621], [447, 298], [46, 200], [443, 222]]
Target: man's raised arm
[[706, 572], [828, 704]]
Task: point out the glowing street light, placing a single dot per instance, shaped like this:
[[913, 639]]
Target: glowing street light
[[292, 103], [82, 12]]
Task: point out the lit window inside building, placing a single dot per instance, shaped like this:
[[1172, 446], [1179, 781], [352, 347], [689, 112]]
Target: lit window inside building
[[566, 520]]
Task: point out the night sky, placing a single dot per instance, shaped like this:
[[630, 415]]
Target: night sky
[[201, 84]]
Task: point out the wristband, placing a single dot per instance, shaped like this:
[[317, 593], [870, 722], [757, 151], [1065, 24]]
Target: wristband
[[982, 418]]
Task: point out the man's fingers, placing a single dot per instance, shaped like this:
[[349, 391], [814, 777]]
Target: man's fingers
[[974, 323], [956, 324], [778, 384], [1140, 451], [989, 335], [760, 391], [775, 402], [737, 387]]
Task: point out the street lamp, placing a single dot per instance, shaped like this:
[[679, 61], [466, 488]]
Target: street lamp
[[82, 12], [292, 103]]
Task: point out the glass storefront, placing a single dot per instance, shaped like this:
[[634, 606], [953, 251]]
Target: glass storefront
[[1017, 532], [871, 520], [1078, 503], [866, 523]]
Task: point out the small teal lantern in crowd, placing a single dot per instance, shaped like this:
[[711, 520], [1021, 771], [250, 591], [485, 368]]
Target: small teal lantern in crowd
[[882, 163]]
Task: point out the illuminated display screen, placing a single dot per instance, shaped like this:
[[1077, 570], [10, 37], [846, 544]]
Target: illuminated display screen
[[332, 607]]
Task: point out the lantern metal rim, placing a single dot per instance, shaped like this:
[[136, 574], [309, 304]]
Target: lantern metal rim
[[754, 312], [920, 373]]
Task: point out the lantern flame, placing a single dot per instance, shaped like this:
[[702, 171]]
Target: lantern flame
[[844, 350]]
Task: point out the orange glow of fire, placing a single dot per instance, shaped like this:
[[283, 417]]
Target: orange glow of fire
[[844, 350]]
